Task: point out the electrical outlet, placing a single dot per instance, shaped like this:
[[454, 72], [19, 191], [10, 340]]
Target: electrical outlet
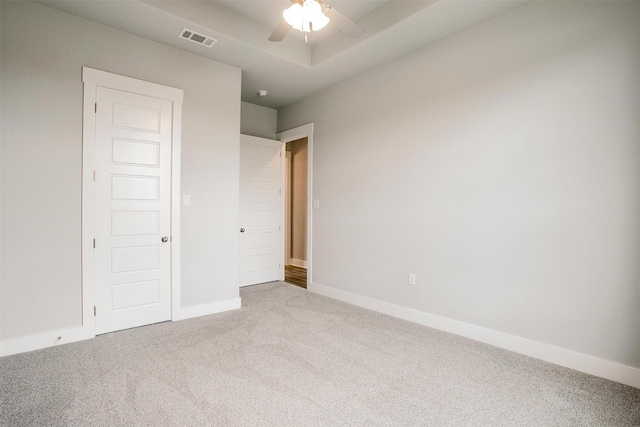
[[412, 279]]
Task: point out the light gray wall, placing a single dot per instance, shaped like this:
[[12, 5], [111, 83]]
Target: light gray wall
[[258, 121], [502, 167], [43, 52]]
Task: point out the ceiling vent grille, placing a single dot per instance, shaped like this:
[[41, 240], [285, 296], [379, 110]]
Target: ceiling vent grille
[[192, 36]]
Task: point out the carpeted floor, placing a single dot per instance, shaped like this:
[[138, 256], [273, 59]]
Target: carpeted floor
[[294, 358]]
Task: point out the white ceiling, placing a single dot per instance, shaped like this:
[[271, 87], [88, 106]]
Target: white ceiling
[[291, 69]]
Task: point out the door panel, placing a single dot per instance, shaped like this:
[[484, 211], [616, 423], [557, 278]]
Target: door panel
[[132, 259], [131, 152], [134, 223], [129, 295], [261, 217], [133, 196], [136, 117], [134, 187]]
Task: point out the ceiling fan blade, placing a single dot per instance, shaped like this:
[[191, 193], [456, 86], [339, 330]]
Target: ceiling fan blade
[[345, 24], [280, 32]]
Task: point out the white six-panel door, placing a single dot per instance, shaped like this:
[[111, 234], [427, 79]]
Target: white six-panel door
[[132, 210], [261, 217]]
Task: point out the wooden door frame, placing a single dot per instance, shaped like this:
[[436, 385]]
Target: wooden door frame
[[92, 79], [304, 131]]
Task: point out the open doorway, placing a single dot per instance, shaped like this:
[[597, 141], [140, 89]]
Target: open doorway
[[296, 201], [290, 135]]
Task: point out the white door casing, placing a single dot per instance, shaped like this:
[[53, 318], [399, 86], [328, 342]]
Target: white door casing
[[133, 208], [131, 219], [287, 207], [261, 216], [305, 131]]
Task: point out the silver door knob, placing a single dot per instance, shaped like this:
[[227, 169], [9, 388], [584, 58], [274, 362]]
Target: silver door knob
[[165, 239], [242, 230]]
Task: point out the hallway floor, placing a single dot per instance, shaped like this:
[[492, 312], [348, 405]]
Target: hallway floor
[[295, 275]]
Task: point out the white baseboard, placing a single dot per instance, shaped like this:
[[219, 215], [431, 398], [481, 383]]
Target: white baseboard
[[560, 356], [205, 309], [45, 339], [50, 339], [298, 262]]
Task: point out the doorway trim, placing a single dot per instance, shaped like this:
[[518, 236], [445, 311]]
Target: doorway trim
[[304, 131], [92, 79], [287, 204]]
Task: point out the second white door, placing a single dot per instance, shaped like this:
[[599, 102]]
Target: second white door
[[261, 217]]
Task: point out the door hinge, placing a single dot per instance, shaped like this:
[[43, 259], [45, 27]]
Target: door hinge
[[94, 175], [96, 107], [94, 243], [94, 310]]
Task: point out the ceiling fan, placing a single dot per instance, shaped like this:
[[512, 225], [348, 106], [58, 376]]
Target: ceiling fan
[[313, 15]]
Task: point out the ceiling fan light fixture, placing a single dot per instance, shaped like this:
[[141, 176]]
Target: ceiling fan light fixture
[[306, 17], [293, 16], [312, 10]]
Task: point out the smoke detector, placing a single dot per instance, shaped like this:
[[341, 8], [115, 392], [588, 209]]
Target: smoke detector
[[198, 38]]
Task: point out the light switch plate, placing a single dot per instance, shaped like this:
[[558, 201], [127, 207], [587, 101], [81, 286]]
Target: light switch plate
[[186, 200], [316, 203]]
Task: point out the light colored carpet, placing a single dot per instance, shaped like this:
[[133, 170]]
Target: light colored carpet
[[293, 358]]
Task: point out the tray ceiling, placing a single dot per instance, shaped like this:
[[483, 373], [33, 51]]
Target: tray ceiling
[[290, 69]]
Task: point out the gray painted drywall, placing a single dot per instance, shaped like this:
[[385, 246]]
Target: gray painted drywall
[[502, 167], [43, 52], [256, 120]]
